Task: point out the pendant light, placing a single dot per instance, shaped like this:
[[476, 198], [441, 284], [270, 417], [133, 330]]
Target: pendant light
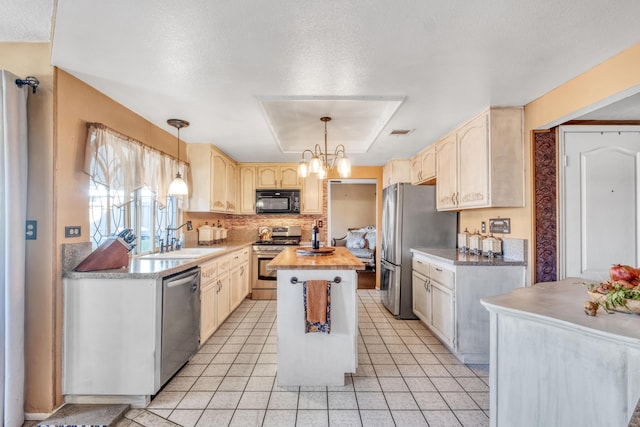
[[178, 187]]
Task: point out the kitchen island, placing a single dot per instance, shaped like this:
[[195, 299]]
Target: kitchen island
[[316, 358], [552, 365], [128, 330]]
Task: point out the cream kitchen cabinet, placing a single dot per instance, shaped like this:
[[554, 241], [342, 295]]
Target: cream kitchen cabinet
[[446, 297], [277, 176], [213, 179], [247, 189], [312, 195], [433, 299], [239, 272], [447, 173], [223, 289], [224, 284], [396, 170], [423, 166], [231, 180], [481, 164], [208, 303], [420, 290]]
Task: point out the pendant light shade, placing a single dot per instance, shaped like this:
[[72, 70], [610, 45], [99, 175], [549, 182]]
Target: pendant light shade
[[178, 187]]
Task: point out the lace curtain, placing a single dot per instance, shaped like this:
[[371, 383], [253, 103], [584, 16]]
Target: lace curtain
[[124, 165]]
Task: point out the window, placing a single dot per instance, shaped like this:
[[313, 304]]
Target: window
[[127, 189], [148, 218]]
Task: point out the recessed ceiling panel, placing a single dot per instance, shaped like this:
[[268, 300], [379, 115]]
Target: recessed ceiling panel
[[355, 121]]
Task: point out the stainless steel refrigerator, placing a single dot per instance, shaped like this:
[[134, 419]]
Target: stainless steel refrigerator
[[409, 220]]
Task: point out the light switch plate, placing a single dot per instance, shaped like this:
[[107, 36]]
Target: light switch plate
[[500, 225]]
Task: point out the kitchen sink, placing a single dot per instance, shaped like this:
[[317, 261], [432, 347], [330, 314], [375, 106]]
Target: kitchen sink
[[186, 253]]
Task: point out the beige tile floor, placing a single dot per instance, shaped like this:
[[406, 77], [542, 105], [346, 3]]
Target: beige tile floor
[[405, 378]]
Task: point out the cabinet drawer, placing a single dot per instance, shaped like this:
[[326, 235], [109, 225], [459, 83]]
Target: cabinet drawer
[[244, 256], [421, 266], [224, 263], [444, 277], [208, 271]]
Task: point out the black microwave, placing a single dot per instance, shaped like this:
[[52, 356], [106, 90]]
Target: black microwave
[[277, 201]]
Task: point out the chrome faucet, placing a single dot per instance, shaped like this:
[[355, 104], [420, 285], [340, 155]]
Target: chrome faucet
[[171, 244]]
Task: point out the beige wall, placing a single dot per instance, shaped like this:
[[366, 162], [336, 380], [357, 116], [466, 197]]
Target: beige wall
[[24, 59], [352, 205]]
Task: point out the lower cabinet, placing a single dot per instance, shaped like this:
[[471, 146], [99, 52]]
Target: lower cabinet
[[442, 312], [208, 318], [223, 290], [239, 277], [446, 297], [224, 284]]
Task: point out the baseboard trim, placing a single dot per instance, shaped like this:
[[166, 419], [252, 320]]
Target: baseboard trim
[[136, 401]]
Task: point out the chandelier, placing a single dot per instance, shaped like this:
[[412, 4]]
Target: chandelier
[[320, 162], [178, 187]]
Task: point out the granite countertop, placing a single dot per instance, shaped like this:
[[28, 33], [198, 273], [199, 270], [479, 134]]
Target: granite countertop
[[157, 268], [453, 256], [341, 259], [562, 304]]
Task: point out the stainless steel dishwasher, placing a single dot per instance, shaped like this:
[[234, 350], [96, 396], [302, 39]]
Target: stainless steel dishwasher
[[180, 320]]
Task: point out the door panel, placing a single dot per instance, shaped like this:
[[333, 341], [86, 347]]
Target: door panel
[[442, 312], [600, 201]]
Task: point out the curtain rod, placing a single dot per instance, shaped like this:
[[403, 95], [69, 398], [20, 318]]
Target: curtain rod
[[135, 141], [30, 81]]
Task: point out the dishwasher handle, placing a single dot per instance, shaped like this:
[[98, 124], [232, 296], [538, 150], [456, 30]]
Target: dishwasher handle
[[184, 280]]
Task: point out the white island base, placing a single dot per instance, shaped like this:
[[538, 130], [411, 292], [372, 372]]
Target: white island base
[[552, 365], [316, 359]]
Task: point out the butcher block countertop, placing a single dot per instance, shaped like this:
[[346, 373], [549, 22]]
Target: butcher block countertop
[[341, 259]]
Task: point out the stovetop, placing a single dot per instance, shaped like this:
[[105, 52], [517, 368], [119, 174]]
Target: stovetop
[[278, 236], [278, 242]]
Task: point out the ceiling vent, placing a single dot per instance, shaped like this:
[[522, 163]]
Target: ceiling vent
[[400, 131]]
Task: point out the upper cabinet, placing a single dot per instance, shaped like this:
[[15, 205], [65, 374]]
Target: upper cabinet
[[423, 166], [312, 195], [247, 189], [277, 176], [396, 170], [481, 164], [214, 180]]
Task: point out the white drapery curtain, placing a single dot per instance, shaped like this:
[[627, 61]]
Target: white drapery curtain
[[124, 165], [13, 214]]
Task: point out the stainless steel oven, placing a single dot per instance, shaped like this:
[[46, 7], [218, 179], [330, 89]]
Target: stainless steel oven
[[271, 241]]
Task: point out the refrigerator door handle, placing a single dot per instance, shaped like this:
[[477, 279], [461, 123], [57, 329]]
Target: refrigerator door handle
[[388, 265]]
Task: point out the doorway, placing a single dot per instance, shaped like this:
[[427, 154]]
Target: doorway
[[353, 203], [599, 212]]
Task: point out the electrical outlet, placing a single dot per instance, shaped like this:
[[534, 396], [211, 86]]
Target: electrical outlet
[[72, 231], [483, 227], [31, 232], [319, 223]]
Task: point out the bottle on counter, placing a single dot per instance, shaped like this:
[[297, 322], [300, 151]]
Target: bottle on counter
[[315, 236]]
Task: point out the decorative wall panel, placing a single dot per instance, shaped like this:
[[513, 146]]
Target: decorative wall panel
[[545, 187]]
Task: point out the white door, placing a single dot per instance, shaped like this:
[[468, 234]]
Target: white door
[[599, 199]]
